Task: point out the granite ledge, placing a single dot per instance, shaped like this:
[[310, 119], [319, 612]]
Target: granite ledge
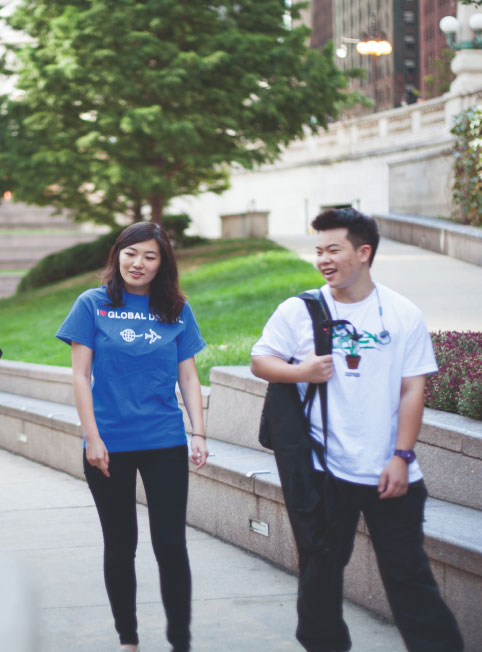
[[49, 373]]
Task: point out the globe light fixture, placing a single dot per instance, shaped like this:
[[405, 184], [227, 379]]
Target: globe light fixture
[[376, 47], [374, 43], [450, 27], [475, 24]]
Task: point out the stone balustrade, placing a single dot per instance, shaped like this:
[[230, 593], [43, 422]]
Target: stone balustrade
[[402, 127]]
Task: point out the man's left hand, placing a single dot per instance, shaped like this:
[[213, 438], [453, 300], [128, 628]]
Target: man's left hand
[[394, 479]]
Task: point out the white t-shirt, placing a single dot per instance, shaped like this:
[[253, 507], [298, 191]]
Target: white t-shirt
[[363, 402]]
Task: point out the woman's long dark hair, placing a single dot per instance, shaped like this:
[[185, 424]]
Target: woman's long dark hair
[[166, 301]]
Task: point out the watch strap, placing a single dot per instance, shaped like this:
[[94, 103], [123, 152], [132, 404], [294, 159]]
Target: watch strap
[[408, 456]]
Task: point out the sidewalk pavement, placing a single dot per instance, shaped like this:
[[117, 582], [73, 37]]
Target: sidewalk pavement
[[447, 290], [51, 535]]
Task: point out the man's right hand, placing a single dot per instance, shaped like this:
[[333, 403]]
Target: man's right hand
[[315, 368]]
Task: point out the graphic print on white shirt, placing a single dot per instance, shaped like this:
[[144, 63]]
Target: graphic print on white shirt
[[363, 403], [350, 344]]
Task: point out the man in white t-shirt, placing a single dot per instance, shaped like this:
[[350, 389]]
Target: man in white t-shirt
[[375, 380]]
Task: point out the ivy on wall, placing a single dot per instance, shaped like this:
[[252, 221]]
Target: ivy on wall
[[467, 187]]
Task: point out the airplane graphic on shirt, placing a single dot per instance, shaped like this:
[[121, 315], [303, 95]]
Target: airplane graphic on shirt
[[128, 335]]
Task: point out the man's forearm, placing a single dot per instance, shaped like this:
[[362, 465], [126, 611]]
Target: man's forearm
[[313, 369], [274, 369], [410, 412]]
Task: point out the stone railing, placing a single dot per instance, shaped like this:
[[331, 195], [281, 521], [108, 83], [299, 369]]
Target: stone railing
[[426, 123]]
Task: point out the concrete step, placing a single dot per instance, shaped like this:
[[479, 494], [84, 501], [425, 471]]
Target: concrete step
[[43, 238], [15, 254], [449, 447], [16, 215], [23, 249], [238, 497], [8, 284]]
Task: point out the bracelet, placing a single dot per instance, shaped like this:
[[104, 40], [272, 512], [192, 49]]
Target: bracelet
[[196, 434]]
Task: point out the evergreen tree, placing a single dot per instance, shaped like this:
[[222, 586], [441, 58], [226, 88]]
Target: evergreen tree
[[125, 104]]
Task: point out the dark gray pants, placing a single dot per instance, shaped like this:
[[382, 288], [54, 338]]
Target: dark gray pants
[[395, 525]]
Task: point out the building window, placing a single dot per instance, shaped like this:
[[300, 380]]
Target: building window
[[409, 42], [409, 17]]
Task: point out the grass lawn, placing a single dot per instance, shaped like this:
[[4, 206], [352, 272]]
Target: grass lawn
[[232, 286]]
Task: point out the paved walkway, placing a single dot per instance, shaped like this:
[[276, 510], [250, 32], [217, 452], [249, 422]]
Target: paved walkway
[[448, 291], [51, 549]]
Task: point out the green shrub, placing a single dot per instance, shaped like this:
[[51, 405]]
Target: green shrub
[[89, 256], [84, 257], [457, 387], [467, 187], [175, 225]]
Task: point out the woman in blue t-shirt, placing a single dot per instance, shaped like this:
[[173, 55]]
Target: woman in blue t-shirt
[[132, 340]]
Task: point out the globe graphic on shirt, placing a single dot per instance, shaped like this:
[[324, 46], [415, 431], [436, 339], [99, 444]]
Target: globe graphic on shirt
[[128, 335]]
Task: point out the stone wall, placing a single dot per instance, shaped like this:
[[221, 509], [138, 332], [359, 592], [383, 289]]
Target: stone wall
[[385, 162]]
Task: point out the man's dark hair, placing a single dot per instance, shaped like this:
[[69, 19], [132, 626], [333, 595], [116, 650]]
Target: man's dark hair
[[361, 229]]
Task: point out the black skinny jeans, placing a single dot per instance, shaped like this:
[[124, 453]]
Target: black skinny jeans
[[396, 529], [164, 473]]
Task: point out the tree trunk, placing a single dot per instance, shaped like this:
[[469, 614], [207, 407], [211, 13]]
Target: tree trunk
[[157, 208], [137, 210]]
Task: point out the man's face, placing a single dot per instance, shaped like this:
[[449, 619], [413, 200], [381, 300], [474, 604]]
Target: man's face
[[339, 262]]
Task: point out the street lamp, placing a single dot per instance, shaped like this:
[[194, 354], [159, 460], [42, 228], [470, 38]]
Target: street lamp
[[464, 35], [450, 26], [374, 45]]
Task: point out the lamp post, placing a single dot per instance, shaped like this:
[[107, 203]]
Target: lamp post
[[374, 44], [464, 35]]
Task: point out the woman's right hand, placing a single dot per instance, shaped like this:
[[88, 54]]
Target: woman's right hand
[[98, 455]]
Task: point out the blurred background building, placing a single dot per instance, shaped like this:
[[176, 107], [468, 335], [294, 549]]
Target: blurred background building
[[419, 64], [435, 56]]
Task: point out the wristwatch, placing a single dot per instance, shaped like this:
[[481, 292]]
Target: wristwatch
[[408, 456]]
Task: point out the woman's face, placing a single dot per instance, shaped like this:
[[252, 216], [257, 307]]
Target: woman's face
[[138, 265]]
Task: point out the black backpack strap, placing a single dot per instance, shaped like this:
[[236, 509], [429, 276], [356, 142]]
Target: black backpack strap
[[322, 335]]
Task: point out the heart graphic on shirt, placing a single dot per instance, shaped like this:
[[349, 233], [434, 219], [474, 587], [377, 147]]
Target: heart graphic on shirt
[[103, 313]]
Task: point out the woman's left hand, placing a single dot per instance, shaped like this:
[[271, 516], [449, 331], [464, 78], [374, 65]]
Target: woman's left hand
[[199, 451]]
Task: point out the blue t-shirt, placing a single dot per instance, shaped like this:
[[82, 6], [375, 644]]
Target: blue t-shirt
[[134, 368]]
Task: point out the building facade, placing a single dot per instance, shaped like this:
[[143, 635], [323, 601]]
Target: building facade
[[435, 74], [321, 22], [390, 80]]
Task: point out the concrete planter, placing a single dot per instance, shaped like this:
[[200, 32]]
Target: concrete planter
[[252, 224]]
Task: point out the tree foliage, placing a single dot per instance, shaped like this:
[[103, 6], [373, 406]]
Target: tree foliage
[[125, 104], [467, 151], [441, 76]]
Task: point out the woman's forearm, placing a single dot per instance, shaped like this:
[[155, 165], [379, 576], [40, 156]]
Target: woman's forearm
[[85, 407], [191, 394]]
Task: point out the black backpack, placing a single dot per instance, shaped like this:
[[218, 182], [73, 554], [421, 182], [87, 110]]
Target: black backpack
[[285, 429]]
